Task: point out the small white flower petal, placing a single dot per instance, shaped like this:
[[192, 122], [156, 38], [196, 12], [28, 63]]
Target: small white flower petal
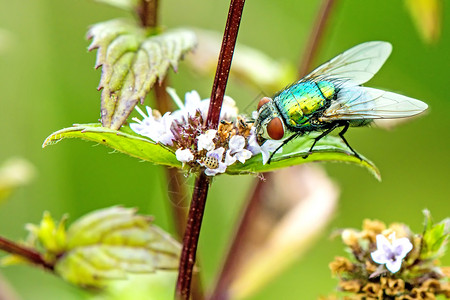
[[142, 113], [382, 242], [137, 127], [253, 145], [192, 102], [189, 109], [394, 266], [192, 98], [211, 172], [402, 247], [379, 257], [268, 147], [229, 109], [243, 155], [222, 167], [184, 155], [391, 254], [236, 143], [149, 112], [157, 130], [205, 141], [229, 160], [228, 112], [216, 153]]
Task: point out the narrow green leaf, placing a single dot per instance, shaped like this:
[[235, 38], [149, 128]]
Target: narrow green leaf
[[330, 148], [109, 243], [131, 63], [124, 141]]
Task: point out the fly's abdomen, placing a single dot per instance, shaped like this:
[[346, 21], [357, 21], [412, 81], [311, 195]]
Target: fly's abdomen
[[300, 101]]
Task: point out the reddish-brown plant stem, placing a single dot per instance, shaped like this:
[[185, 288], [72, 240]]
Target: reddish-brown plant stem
[[190, 241], [220, 291], [176, 188], [25, 252], [224, 62], [147, 11], [198, 202], [315, 37]]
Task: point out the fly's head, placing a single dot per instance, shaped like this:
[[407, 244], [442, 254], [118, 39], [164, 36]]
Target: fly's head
[[269, 125]]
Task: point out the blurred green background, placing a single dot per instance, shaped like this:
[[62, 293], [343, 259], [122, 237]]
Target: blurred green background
[[47, 82]]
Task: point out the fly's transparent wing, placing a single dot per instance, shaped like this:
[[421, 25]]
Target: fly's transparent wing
[[356, 102], [358, 64]]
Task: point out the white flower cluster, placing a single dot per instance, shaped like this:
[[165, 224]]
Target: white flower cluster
[[165, 130], [157, 129]]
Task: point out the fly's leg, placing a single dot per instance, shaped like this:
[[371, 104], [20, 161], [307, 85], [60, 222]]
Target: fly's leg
[[333, 126], [341, 134], [279, 147]]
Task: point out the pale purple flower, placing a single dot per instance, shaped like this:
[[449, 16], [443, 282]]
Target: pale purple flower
[[391, 254], [184, 155], [205, 140], [157, 130], [237, 144]]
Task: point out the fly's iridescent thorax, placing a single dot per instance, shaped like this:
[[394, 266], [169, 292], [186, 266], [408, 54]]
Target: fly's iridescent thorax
[[299, 102]]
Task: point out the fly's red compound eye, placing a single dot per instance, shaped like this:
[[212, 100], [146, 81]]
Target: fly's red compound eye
[[275, 129], [263, 101]]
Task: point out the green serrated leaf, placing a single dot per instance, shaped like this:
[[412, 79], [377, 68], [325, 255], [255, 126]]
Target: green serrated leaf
[[123, 4], [124, 141], [330, 148], [109, 243], [131, 63]]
